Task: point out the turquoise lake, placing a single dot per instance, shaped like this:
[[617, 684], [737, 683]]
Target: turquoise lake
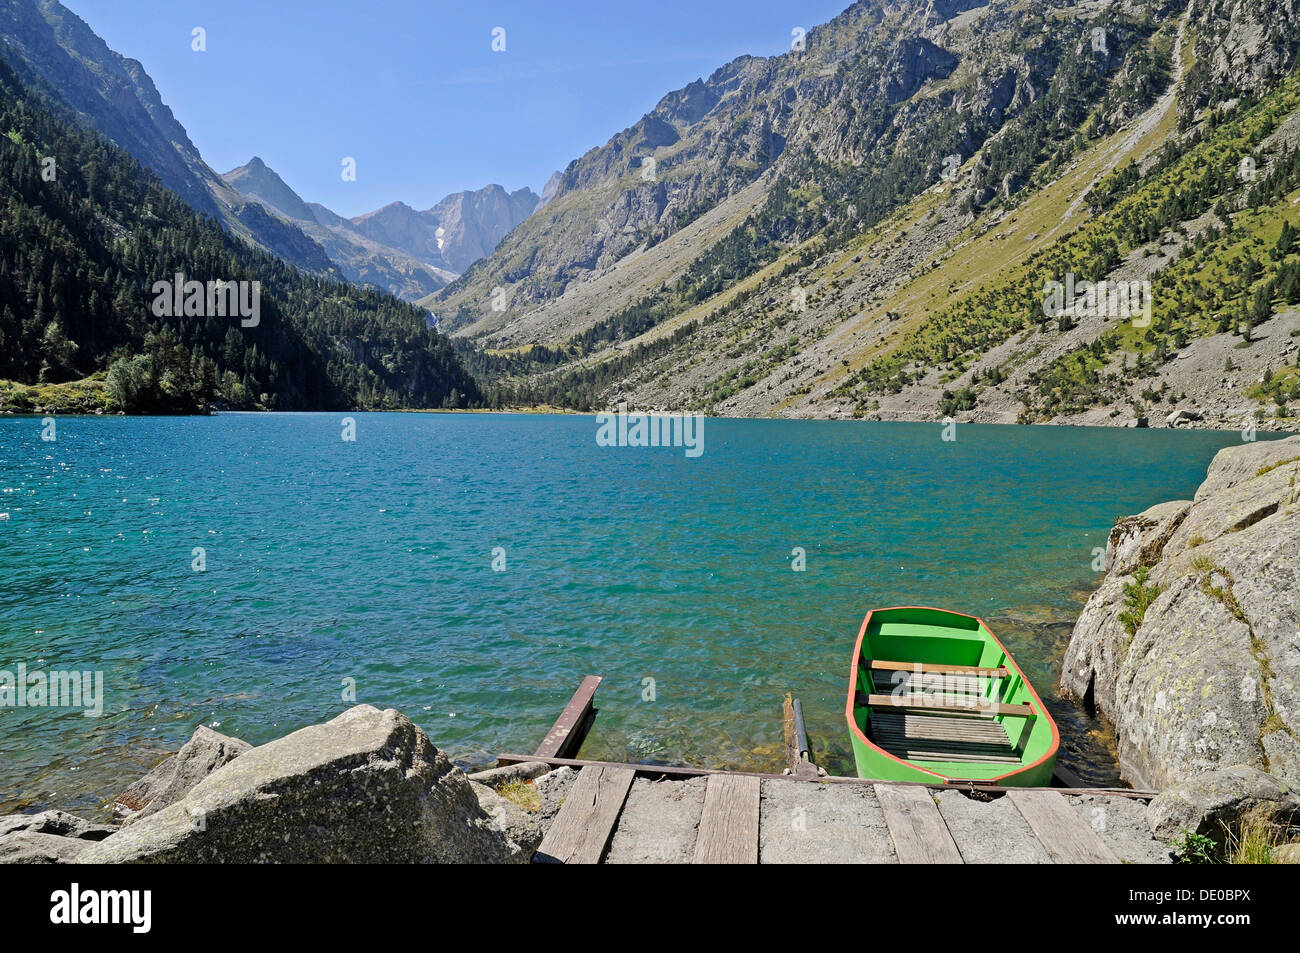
[[372, 560]]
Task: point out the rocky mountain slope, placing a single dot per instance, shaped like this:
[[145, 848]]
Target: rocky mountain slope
[[867, 226], [1191, 645], [404, 251], [81, 261], [360, 259], [56, 53]]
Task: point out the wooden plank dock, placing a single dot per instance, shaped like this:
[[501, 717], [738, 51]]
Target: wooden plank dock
[[610, 811]]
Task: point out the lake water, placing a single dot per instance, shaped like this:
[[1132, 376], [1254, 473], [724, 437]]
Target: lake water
[[372, 560]]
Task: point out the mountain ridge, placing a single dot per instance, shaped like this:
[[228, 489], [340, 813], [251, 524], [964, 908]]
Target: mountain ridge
[[930, 167], [86, 254], [394, 247], [55, 51]]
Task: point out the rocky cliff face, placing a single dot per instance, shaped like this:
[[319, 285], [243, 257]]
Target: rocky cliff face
[[257, 180], [361, 259], [469, 225], [1240, 46], [455, 233], [864, 226], [831, 97], [1191, 646]]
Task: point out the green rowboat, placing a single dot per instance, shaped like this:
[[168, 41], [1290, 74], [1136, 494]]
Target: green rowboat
[[935, 697]]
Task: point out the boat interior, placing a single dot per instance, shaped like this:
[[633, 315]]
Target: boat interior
[[935, 688]]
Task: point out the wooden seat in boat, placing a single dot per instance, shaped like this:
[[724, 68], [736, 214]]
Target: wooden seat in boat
[[913, 678]]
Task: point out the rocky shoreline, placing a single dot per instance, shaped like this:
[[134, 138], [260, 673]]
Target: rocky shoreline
[[1190, 647], [369, 787], [365, 787]]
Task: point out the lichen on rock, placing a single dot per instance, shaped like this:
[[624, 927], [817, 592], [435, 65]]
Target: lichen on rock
[[1209, 676]]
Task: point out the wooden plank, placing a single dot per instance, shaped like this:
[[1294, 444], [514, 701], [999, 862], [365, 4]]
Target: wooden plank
[[975, 744], [676, 771], [1065, 835], [581, 829], [729, 824], [975, 749], [931, 738], [915, 825], [925, 667], [787, 728], [927, 702], [570, 729], [980, 744], [907, 754]]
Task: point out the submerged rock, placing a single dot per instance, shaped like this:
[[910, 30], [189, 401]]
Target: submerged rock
[[1191, 645], [366, 787], [171, 780]]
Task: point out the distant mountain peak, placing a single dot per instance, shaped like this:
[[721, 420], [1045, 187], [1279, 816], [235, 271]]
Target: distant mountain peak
[[392, 208], [256, 180], [457, 231]]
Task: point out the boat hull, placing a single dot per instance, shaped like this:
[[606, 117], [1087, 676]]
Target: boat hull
[[936, 639]]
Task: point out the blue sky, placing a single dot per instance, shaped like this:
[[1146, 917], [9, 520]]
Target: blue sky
[[413, 90]]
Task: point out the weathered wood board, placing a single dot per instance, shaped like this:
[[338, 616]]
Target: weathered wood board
[[581, 829], [917, 828], [729, 824], [1065, 835]]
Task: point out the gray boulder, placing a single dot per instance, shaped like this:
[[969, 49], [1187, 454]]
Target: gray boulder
[[1208, 677], [526, 771], [1183, 415], [51, 837], [366, 787], [554, 788], [1213, 802], [171, 780], [521, 826], [1287, 854]]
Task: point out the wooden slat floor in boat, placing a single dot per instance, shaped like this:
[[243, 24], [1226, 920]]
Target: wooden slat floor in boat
[[941, 737]]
